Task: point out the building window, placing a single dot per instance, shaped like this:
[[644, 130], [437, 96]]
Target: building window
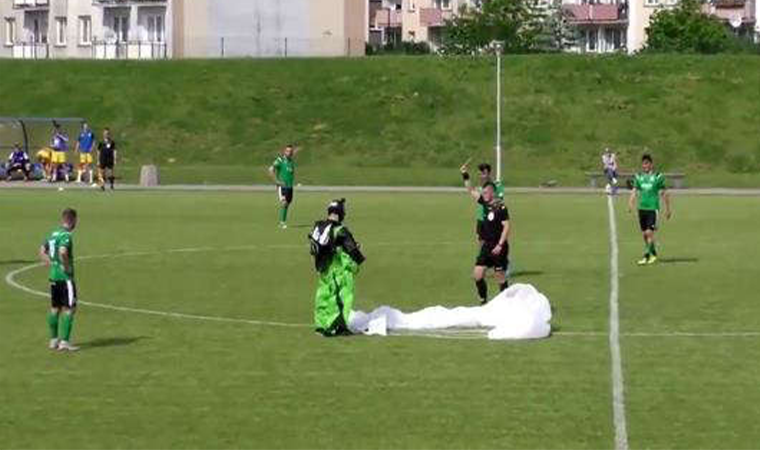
[[412, 5], [121, 28], [60, 31], [39, 31], [85, 30], [156, 28], [591, 40], [443, 4], [10, 31], [651, 2]]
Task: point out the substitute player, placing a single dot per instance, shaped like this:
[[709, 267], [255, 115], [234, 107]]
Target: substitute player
[[45, 158], [106, 160], [649, 186], [282, 172], [58, 253], [493, 234], [336, 258], [60, 145], [84, 146]]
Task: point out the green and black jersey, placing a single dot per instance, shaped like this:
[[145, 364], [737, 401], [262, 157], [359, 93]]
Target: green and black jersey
[[284, 170], [649, 185], [60, 238]]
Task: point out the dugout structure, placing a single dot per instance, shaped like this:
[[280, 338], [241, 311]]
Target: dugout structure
[[35, 133]]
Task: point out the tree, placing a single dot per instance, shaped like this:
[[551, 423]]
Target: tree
[[517, 23], [686, 29]]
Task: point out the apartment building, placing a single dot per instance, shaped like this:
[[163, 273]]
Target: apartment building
[[155, 29], [393, 21], [603, 26]]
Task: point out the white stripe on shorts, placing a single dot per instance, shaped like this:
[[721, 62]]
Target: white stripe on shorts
[[70, 289]]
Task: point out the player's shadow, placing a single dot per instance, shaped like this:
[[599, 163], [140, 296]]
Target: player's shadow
[[677, 260], [525, 273], [110, 342], [10, 262]]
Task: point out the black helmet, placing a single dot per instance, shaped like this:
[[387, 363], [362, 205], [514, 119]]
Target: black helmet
[[337, 207]]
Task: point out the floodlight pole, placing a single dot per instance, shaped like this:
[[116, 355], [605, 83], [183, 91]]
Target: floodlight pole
[[498, 45]]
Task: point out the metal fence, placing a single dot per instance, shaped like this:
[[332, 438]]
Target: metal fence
[[31, 50], [129, 50]]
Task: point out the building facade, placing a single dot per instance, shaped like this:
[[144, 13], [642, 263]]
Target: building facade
[[603, 26], [393, 21], [156, 29]]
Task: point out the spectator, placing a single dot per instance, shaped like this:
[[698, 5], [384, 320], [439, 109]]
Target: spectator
[[18, 161], [610, 166]]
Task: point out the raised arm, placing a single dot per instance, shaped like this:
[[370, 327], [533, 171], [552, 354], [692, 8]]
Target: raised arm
[[470, 189]]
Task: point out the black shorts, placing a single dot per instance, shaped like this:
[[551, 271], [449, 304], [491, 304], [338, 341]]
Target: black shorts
[[647, 219], [498, 262], [285, 194], [106, 164], [63, 294]]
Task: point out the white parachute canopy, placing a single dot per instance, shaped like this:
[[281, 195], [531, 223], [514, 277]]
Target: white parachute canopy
[[520, 312]]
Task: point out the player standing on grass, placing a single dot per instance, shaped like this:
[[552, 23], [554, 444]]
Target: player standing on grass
[[60, 145], [283, 172], [58, 253], [84, 146], [106, 160], [649, 186], [493, 234], [336, 258]]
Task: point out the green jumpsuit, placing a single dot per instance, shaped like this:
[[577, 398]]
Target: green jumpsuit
[[335, 288]]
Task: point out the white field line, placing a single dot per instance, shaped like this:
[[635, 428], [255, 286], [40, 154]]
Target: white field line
[[618, 386], [453, 333]]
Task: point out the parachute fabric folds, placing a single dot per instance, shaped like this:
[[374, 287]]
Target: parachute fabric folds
[[520, 312]]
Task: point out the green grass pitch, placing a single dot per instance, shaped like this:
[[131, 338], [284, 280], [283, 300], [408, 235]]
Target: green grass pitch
[[161, 381]]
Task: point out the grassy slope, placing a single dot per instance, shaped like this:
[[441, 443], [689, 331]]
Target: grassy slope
[[403, 120]]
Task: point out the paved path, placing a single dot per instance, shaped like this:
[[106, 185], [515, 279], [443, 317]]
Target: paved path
[[20, 185]]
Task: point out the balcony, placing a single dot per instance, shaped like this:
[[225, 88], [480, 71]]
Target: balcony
[[129, 50], [387, 18], [129, 2], [596, 14], [31, 4], [732, 10], [434, 17], [31, 50]]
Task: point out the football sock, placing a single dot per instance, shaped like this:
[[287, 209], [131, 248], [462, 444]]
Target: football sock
[[52, 320], [110, 180], [283, 214], [482, 289], [652, 249], [68, 324], [79, 176]]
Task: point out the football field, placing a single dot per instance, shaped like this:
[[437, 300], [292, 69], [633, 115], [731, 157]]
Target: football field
[[195, 332]]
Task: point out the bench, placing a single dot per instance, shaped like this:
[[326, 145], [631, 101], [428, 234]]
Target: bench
[[674, 179]]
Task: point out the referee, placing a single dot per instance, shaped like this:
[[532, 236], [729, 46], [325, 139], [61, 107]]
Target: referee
[[106, 159], [493, 234]]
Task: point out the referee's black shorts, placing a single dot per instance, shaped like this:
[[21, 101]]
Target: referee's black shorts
[[486, 258], [285, 194], [63, 294], [647, 219]]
